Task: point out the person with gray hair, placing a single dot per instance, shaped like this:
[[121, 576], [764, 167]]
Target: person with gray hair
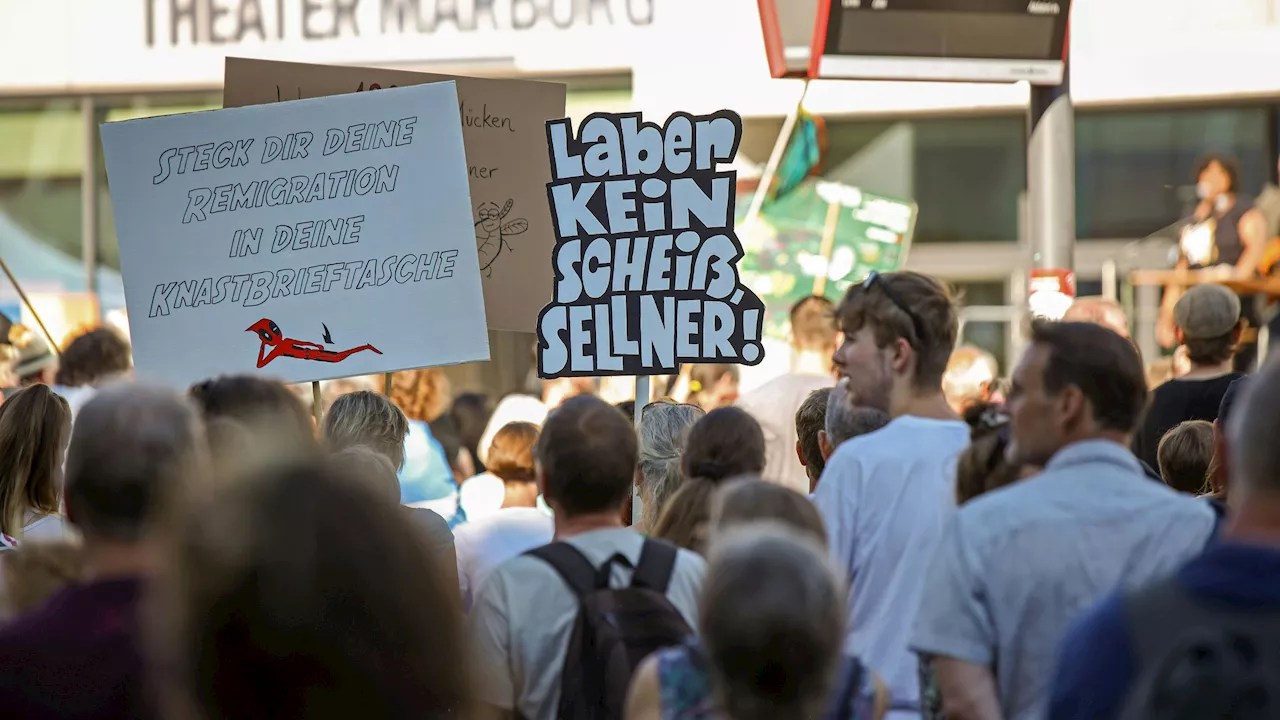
[[845, 421], [134, 453], [771, 618], [664, 430], [370, 420]]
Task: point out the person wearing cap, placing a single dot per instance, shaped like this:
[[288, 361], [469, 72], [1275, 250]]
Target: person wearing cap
[[36, 364], [1207, 323]]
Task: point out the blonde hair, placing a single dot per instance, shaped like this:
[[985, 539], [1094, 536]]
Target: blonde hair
[[369, 419], [511, 452], [34, 571], [423, 395], [34, 427], [685, 520], [663, 434]]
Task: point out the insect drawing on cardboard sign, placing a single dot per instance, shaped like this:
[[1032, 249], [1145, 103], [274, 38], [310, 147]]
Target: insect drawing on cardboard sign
[[271, 337], [492, 233]]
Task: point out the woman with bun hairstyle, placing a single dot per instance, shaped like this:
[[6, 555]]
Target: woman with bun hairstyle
[[726, 444]]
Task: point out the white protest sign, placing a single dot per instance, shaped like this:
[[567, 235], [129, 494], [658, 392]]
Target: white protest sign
[[305, 240], [646, 257], [503, 130]]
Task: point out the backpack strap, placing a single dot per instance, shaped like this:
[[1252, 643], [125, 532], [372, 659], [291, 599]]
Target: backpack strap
[[850, 684], [657, 563], [572, 566]]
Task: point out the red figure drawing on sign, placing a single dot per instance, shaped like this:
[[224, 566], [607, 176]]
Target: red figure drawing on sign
[[281, 346]]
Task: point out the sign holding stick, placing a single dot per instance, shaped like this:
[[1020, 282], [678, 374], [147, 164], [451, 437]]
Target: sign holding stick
[[502, 129], [310, 240], [646, 257]]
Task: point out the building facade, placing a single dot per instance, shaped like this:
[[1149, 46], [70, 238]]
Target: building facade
[[1157, 83]]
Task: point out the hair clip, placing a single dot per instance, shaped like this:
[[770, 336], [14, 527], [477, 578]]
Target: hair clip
[[993, 418]]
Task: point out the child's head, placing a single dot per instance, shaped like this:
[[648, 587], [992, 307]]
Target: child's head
[[1184, 454]]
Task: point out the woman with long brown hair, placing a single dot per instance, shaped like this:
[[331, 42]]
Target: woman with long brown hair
[[725, 444], [35, 424]]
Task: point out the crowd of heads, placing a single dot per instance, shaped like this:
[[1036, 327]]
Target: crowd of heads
[[279, 548]]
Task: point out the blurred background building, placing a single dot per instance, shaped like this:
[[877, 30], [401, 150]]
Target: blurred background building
[[1157, 83]]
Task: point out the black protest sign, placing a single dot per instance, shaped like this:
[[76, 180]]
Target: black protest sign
[[645, 259]]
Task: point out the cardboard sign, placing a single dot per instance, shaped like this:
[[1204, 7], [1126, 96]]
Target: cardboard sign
[[305, 241], [503, 131], [646, 255]]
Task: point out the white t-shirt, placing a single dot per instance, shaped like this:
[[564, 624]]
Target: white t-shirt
[[523, 615], [885, 498], [481, 496], [774, 406], [485, 545], [512, 408], [48, 528]]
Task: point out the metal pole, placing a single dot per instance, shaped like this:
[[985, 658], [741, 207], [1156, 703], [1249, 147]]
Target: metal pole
[[642, 399], [316, 402], [775, 159], [1111, 280], [53, 344], [1051, 171], [89, 197]]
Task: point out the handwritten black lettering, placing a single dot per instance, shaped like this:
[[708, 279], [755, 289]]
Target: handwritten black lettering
[[483, 117]]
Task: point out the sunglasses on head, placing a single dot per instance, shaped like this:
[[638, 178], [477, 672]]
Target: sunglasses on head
[[661, 403], [875, 279]]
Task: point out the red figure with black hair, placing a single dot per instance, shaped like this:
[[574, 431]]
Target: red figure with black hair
[[281, 346]]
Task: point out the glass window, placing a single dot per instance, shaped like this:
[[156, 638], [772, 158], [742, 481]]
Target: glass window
[[990, 335], [1088, 288], [41, 153], [1134, 168], [965, 173]]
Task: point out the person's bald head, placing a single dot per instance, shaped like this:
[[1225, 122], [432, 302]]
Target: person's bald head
[[1099, 311], [969, 375], [1251, 447]]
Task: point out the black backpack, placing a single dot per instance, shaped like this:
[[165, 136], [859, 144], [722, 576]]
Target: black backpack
[[616, 627], [1198, 661]]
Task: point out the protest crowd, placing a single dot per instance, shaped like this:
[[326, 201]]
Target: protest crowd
[[882, 532]]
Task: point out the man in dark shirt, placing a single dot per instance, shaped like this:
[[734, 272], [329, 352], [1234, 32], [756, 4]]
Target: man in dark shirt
[[1208, 323], [78, 656]]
